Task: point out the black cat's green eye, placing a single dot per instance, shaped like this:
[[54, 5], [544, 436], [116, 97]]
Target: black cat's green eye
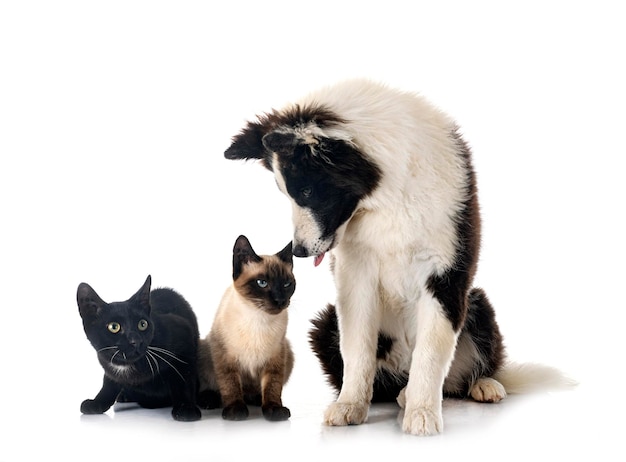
[[114, 327], [262, 283], [143, 325]]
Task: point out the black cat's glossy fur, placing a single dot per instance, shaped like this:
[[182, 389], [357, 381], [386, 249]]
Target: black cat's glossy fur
[[147, 347]]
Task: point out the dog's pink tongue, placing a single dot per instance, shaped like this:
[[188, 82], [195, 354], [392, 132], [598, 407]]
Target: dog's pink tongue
[[318, 259]]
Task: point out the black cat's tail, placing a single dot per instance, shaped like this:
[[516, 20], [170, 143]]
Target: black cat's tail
[[324, 341]]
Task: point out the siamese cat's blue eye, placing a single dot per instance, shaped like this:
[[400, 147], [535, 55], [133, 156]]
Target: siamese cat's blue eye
[[262, 283], [114, 327], [287, 284], [143, 325]]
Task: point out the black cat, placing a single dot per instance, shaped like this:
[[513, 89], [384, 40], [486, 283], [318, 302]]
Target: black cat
[[147, 347]]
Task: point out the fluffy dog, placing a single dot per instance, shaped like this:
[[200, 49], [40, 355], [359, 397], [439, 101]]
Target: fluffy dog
[[383, 181]]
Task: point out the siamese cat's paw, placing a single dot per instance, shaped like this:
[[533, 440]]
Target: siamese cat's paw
[[235, 411], [276, 413]]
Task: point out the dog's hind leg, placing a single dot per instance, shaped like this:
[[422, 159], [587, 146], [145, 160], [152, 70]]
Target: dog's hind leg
[[479, 354]]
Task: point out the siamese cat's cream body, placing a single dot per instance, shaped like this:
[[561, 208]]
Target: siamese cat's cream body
[[248, 333]]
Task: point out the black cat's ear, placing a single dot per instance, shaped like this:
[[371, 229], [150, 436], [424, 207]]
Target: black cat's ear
[[248, 145], [243, 253], [286, 254], [142, 297], [89, 302]]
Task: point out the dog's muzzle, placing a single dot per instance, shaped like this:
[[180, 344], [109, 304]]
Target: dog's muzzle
[[300, 251]]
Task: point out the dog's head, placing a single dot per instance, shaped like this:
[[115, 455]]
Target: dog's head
[[317, 164]]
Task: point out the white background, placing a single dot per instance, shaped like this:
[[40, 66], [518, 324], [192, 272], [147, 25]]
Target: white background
[[114, 117]]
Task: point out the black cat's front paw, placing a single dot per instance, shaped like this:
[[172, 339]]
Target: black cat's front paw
[[91, 406], [236, 411], [276, 413], [186, 413]]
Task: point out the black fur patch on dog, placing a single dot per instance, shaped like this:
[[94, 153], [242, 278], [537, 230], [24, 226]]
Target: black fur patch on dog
[[324, 340], [451, 287]]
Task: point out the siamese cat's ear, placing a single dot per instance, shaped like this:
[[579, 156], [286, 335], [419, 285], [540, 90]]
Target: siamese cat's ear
[[286, 254], [89, 302], [243, 253]]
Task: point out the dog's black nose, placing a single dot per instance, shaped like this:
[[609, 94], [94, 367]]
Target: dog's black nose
[[300, 251]]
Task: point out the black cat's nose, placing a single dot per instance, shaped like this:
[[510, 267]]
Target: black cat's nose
[[134, 339], [300, 251]]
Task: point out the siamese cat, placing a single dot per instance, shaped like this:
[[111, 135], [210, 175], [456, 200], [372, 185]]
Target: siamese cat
[[246, 357]]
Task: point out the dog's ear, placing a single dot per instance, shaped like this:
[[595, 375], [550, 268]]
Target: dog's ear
[[280, 142], [248, 143]]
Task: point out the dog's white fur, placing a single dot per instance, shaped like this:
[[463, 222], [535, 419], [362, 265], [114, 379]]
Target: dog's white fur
[[398, 237]]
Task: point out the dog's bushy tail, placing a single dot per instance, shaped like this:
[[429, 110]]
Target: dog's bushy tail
[[530, 377], [324, 340]]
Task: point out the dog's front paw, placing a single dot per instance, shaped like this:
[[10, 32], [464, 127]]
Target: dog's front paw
[[488, 390], [422, 421], [340, 414]]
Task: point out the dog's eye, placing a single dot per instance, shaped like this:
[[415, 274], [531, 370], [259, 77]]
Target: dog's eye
[[306, 192]]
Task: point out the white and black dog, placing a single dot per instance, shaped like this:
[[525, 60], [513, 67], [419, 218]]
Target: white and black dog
[[385, 181]]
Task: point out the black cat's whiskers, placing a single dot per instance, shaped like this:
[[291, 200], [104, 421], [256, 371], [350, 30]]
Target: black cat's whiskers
[[106, 348], [148, 358], [167, 352], [109, 348], [114, 355], [152, 352]]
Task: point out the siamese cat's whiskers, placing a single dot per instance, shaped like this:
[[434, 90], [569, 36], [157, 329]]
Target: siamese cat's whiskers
[[168, 363], [167, 352]]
